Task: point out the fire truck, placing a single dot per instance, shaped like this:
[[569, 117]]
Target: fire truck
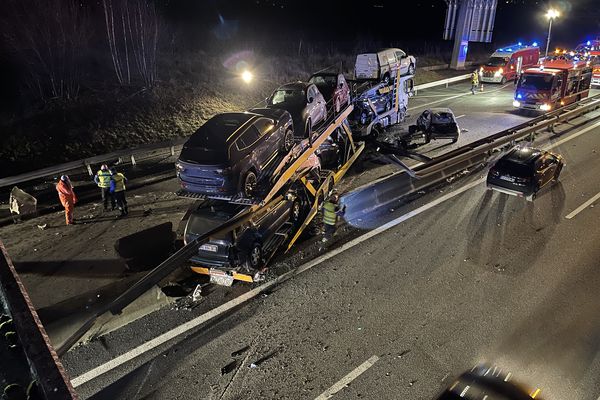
[[506, 63], [552, 85], [591, 49]]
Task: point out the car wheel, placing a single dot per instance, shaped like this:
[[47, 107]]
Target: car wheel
[[308, 129], [250, 182], [503, 81], [255, 257], [411, 69], [288, 140]]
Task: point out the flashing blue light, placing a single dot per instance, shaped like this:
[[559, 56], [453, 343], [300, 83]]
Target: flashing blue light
[[519, 96], [589, 42], [534, 44], [520, 44], [508, 49]]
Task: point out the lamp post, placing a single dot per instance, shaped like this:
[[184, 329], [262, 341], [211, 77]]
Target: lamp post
[[552, 14]]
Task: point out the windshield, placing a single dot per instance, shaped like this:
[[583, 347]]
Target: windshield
[[496, 62], [442, 118], [514, 168], [536, 81], [324, 80], [288, 96]]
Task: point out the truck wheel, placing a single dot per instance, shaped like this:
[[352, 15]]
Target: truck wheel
[[250, 183], [411, 69], [288, 140], [255, 256]]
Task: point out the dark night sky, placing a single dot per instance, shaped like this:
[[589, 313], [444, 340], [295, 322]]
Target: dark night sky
[[394, 20]]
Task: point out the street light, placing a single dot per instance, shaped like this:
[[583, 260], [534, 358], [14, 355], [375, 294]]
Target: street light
[[247, 76], [552, 14]]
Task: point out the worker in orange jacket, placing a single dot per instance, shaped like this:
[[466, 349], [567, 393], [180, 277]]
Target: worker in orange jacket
[[67, 197]]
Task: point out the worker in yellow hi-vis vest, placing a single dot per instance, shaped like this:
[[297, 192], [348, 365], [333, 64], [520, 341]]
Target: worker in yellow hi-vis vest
[[102, 179], [117, 187], [331, 211]]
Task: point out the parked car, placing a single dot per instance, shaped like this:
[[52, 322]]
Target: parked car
[[334, 89], [437, 123], [251, 245], [524, 171], [384, 65], [227, 155], [304, 102], [487, 383]]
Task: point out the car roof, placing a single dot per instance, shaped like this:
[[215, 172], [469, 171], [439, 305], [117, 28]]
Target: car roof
[[523, 155], [298, 85], [232, 121]]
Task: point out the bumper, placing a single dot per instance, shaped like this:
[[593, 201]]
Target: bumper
[[491, 79], [596, 81], [235, 275], [207, 186]]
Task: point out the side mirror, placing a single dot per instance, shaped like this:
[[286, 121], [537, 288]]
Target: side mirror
[[310, 99], [411, 93]]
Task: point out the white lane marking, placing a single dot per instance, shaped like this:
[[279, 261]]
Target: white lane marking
[[468, 93], [583, 206], [181, 329], [460, 116], [345, 381]]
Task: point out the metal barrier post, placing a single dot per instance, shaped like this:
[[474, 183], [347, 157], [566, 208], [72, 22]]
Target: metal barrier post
[[132, 160], [89, 169]]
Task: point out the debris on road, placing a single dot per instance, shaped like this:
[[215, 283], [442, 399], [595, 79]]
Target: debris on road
[[232, 366], [197, 295], [42, 227], [258, 362], [240, 351]]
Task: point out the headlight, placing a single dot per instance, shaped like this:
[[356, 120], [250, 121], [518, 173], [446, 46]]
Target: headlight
[[516, 103], [498, 73], [545, 107]]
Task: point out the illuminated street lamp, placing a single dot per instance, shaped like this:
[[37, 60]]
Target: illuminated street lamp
[[247, 76], [552, 14]]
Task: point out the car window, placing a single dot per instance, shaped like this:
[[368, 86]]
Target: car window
[[264, 125], [323, 80], [442, 118], [514, 168], [400, 54], [248, 138], [288, 96]]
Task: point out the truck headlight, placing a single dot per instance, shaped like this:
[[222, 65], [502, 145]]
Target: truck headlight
[[545, 107], [516, 103], [499, 73]]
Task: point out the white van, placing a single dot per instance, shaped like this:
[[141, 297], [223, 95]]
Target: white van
[[384, 65]]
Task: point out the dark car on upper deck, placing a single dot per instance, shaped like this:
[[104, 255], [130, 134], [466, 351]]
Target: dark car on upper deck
[[334, 89], [227, 155], [304, 102], [524, 171], [437, 123]]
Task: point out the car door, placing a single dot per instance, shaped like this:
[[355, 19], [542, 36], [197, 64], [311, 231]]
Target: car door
[[343, 89], [270, 141], [543, 170], [251, 153], [318, 104], [422, 122]]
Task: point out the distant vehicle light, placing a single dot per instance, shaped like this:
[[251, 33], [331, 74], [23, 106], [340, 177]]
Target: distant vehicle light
[[545, 107], [588, 42], [534, 44], [247, 76], [519, 96], [516, 103]]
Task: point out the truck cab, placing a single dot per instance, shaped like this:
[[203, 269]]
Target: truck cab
[[553, 85], [506, 63]]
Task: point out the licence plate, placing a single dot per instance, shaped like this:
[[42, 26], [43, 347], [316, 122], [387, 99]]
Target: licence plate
[[220, 278], [209, 247], [507, 178]]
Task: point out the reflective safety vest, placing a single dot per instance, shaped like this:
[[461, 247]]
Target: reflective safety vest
[[119, 180], [329, 213], [103, 178], [475, 78]]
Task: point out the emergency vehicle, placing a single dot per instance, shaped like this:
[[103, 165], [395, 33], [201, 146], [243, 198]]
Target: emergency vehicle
[[506, 63], [552, 85], [591, 49]]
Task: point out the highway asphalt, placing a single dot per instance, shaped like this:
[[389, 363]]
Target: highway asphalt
[[429, 297], [464, 275]]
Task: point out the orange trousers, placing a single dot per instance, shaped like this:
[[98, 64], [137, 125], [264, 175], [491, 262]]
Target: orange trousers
[[68, 212]]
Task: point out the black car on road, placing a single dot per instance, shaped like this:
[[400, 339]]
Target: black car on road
[[304, 102], [487, 383], [437, 123], [523, 171], [248, 248], [227, 155]]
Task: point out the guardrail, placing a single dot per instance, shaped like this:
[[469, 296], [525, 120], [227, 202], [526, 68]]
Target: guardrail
[[442, 82], [127, 156], [449, 164]]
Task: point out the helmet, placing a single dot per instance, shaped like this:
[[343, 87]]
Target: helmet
[[335, 198], [64, 178], [104, 167]]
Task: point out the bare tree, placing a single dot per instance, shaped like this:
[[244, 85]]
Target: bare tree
[[49, 36], [132, 32]]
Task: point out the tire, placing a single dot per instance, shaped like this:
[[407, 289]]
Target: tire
[[411, 69], [454, 140], [255, 256], [503, 81], [288, 140], [249, 184]]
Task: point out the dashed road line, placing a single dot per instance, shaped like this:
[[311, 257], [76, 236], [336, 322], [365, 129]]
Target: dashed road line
[[345, 381], [583, 206]]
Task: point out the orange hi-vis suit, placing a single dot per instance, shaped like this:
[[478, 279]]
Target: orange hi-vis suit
[[67, 199]]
